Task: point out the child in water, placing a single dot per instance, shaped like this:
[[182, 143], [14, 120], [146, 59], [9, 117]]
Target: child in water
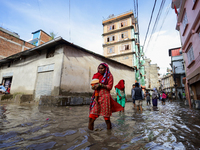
[[95, 80]]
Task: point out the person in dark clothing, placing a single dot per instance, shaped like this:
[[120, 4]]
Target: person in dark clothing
[[138, 96], [148, 98], [180, 96], [132, 95]]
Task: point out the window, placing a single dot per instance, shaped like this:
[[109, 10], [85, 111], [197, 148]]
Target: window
[[125, 47], [111, 27], [184, 21], [50, 53], [190, 55], [126, 57], [111, 50], [124, 35], [111, 38], [123, 23], [108, 39]]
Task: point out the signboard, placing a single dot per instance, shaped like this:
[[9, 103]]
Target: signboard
[[9, 74], [46, 68]]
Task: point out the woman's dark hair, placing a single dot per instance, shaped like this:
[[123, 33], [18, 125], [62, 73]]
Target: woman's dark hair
[[102, 65]]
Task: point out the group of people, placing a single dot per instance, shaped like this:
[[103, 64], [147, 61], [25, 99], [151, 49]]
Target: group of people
[[102, 104], [4, 90]]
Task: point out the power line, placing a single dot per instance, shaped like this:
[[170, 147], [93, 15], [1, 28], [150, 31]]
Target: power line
[[69, 24], [167, 11], [149, 23], [164, 18], [156, 21], [134, 8]]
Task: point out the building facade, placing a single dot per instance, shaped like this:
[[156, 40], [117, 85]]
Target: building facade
[[121, 42], [178, 69], [58, 68], [10, 43], [167, 83], [39, 37], [151, 75], [188, 24]]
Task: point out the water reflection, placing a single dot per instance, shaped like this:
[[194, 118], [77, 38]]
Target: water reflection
[[170, 126]]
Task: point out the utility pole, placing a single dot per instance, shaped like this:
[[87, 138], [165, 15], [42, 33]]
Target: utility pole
[[175, 82]]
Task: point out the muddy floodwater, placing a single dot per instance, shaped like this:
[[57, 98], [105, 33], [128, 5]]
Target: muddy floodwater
[[170, 126]]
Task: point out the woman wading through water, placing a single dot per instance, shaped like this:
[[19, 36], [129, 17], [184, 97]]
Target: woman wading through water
[[105, 104]]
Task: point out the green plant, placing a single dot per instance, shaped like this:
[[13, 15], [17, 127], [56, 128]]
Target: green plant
[[7, 96], [53, 35]]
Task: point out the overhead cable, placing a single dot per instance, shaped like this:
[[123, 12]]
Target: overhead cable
[[149, 23], [164, 18], [156, 21]]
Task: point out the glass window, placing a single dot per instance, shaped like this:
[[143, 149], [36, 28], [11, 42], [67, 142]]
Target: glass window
[[184, 21], [111, 50], [190, 55], [126, 57], [111, 38], [124, 23], [111, 27]]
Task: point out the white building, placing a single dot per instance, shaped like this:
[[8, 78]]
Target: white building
[[57, 68]]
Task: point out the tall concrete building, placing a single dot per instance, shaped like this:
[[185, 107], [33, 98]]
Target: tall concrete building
[[188, 25], [151, 75], [120, 42]]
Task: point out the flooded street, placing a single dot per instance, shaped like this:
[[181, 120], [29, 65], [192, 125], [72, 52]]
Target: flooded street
[[170, 126]]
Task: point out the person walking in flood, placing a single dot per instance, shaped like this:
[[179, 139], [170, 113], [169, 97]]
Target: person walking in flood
[[148, 98], [106, 105], [138, 96], [155, 97], [120, 91], [164, 96], [132, 95]]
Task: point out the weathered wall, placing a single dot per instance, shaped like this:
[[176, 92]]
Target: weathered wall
[[79, 67], [24, 72]]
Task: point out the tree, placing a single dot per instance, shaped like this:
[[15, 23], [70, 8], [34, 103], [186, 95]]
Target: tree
[[53, 35]]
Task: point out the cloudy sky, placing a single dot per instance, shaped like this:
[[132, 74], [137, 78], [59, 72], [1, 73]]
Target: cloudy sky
[[80, 22]]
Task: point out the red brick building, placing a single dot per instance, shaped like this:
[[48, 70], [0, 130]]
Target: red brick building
[[10, 42]]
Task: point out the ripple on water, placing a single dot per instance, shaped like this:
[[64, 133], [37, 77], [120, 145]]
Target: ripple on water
[[41, 146], [69, 132]]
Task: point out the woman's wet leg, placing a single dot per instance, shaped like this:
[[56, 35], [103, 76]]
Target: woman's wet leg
[[109, 125], [91, 124]]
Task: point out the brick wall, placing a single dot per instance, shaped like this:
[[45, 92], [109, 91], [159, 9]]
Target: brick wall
[[44, 37], [10, 45]]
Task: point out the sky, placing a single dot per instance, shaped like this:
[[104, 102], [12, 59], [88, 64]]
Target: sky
[[80, 22]]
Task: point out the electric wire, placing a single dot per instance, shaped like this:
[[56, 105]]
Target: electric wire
[[40, 13], [164, 18], [134, 8], [69, 24], [149, 23], [156, 22]]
